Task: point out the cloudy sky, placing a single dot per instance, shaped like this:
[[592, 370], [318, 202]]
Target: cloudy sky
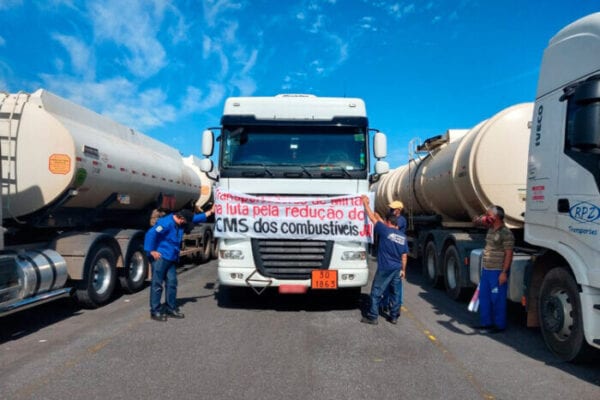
[[166, 67]]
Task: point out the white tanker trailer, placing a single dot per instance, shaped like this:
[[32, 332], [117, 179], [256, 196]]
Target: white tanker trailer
[[78, 190], [461, 174]]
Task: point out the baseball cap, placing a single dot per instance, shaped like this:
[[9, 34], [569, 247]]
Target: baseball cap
[[396, 204], [186, 214]]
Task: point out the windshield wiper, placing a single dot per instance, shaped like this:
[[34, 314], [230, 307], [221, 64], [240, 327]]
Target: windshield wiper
[[306, 171], [302, 167], [335, 174], [254, 165]]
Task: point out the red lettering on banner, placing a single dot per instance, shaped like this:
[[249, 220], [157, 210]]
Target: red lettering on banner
[[237, 209], [366, 232], [265, 210], [357, 214]]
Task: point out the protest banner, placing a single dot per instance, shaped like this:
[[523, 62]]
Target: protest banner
[[341, 218]]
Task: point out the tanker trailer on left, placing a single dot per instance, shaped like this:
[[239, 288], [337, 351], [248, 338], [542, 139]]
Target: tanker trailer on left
[[78, 190]]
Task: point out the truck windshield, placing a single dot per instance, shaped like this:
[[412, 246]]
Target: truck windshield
[[324, 148]]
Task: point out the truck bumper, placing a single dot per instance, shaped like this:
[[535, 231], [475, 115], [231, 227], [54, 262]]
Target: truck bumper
[[245, 277]]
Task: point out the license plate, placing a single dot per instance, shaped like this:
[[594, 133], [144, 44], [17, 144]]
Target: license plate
[[324, 279]]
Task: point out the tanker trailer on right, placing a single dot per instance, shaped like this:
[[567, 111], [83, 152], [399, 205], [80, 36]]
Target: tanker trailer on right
[[540, 162]]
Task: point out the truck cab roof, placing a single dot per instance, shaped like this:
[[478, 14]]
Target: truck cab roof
[[572, 54]]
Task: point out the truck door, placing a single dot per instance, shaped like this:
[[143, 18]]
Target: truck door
[[578, 191]]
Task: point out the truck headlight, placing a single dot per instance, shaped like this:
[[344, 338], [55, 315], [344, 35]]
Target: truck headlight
[[231, 254], [354, 255]]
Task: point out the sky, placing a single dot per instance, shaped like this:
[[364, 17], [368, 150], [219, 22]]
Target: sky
[[165, 67]]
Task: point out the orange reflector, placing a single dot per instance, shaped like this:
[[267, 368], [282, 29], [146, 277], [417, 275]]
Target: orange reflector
[[524, 301]]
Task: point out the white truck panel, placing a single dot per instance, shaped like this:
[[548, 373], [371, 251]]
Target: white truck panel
[[301, 107], [314, 187]]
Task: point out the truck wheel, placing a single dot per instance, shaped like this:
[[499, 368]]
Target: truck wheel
[[206, 246], [136, 269], [99, 277], [560, 316], [214, 250], [430, 261], [452, 273]]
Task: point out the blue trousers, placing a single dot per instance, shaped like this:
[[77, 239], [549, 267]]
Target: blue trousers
[[381, 281], [163, 271], [492, 299]]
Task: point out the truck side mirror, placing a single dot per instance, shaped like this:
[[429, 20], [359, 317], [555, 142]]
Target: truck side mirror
[[206, 165], [382, 167], [380, 145], [208, 143]]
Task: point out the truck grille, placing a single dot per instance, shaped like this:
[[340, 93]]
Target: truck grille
[[290, 259]]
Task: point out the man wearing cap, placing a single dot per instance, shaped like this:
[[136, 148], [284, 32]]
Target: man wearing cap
[[395, 208], [392, 257], [162, 244]]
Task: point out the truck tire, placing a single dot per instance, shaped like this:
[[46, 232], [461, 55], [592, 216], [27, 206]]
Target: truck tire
[[136, 268], [99, 277], [430, 265], [207, 239], [560, 317], [452, 273], [214, 250]]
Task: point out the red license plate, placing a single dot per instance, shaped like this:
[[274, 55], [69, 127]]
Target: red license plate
[[324, 279]]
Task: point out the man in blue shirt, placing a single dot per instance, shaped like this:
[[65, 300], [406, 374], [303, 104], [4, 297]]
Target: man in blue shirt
[[386, 300], [162, 244], [392, 257]]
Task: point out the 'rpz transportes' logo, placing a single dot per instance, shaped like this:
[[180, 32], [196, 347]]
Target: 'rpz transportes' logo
[[585, 212]]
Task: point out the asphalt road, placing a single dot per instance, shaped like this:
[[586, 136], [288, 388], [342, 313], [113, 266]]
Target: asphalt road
[[242, 346]]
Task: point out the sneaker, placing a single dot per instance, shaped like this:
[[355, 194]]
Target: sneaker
[[158, 317], [175, 314], [393, 321], [495, 329], [369, 321]]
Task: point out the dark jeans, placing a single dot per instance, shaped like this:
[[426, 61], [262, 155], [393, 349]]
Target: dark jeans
[[381, 281], [386, 298], [163, 271]]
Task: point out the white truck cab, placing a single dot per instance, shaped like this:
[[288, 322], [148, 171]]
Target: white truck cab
[[563, 190], [293, 146]]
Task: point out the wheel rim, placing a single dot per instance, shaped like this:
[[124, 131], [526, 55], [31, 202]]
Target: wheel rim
[[136, 267], [102, 275], [557, 314]]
